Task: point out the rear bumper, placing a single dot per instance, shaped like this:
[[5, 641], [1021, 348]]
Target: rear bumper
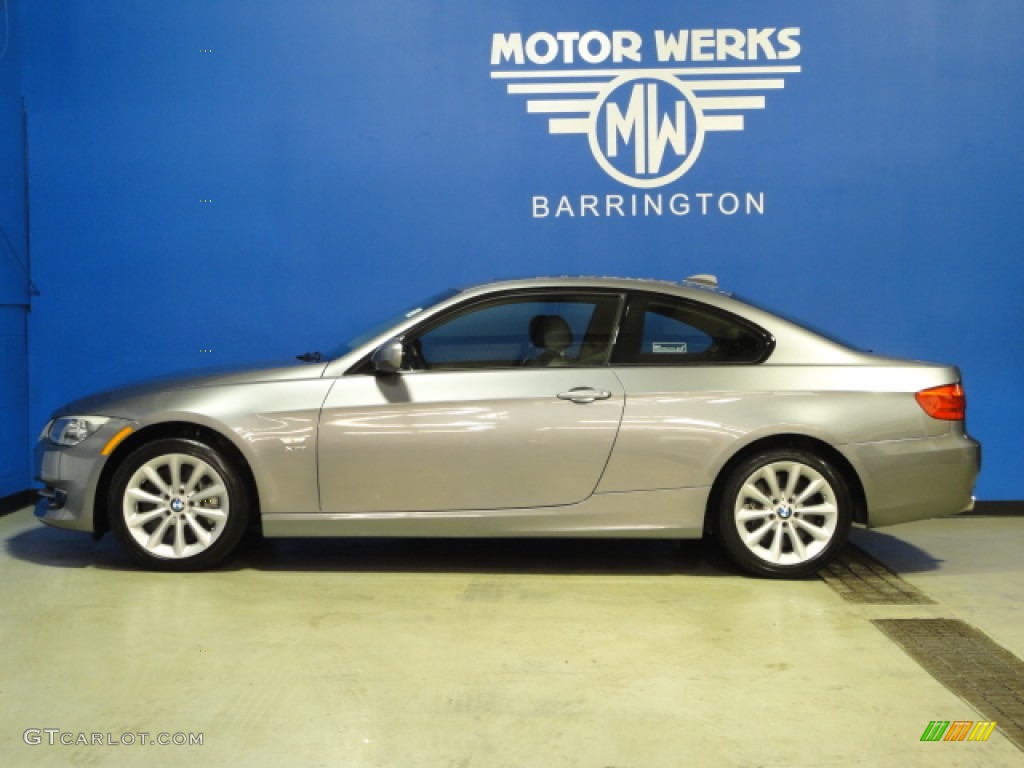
[[907, 480]]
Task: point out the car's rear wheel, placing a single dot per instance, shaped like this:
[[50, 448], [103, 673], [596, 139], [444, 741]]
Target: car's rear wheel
[[784, 513], [178, 505]]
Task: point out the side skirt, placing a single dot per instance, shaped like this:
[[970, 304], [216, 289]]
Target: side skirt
[[666, 514]]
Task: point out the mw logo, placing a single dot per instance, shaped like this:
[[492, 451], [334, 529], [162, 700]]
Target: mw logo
[[646, 131], [645, 124]]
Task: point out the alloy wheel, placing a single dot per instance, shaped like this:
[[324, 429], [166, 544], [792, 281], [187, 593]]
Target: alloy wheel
[[786, 513], [175, 506]]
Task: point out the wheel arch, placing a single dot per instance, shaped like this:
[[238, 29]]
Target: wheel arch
[[803, 442], [171, 429]]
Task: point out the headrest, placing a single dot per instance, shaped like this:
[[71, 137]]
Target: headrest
[[550, 333]]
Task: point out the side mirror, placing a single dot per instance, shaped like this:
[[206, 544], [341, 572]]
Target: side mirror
[[387, 358]]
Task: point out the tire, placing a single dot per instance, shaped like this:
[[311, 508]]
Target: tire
[[784, 513], [178, 505]]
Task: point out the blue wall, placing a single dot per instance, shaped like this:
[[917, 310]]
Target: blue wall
[[222, 181], [15, 472], [14, 293]]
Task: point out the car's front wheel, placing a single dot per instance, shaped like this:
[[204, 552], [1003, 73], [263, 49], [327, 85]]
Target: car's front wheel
[[178, 505], [784, 513]]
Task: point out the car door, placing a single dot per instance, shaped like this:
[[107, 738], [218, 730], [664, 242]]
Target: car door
[[689, 370], [503, 403]]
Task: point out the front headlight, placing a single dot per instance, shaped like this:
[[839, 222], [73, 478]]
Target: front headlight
[[45, 434], [71, 430]]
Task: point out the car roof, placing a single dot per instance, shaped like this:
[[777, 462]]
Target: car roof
[[704, 283]]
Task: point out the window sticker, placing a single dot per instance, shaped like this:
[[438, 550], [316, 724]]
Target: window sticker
[[668, 347]]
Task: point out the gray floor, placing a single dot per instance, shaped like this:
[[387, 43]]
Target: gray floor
[[472, 654]]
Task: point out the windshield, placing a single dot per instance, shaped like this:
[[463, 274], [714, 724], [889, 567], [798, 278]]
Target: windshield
[[378, 328]]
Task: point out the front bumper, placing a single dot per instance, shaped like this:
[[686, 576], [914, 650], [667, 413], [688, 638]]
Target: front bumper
[[70, 476]]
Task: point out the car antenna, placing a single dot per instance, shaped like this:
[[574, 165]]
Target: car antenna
[[708, 280]]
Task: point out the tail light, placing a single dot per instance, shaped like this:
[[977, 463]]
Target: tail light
[[947, 402]]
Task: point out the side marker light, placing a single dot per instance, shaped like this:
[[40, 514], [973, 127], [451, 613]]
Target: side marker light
[[116, 440]]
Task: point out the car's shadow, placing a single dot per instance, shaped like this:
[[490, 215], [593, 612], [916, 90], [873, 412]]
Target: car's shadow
[[896, 553], [66, 549], [642, 557], [535, 556]]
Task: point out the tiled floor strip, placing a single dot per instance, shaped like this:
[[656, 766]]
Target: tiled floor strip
[[965, 660], [970, 664], [859, 578]]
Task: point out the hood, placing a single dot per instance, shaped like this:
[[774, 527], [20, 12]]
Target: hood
[[107, 403]]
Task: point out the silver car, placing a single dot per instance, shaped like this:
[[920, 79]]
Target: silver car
[[547, 407]]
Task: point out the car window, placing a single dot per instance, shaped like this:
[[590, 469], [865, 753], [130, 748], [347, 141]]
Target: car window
[[667, 332], [663, 331], [533, 330]]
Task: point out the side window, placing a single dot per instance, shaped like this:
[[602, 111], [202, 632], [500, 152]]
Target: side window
[[665, 332], [532, 330]]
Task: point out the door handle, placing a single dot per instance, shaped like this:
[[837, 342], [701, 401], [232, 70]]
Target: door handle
[[583, 395]]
